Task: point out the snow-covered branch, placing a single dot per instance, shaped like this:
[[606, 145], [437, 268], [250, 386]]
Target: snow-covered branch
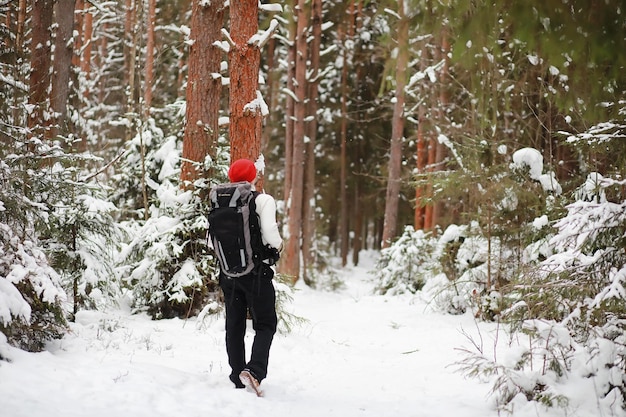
[[290, 94], [224, 46], [230, 40], [260, 39], [271, 7], [256, 106]]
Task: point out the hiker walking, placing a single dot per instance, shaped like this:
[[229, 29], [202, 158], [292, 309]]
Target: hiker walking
[[246, 240]]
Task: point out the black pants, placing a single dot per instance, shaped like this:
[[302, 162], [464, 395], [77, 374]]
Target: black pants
[[253, 292]]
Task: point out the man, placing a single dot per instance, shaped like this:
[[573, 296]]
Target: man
[[253, 292]]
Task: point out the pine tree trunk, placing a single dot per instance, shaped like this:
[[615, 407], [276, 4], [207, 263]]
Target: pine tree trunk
[[130, 56], [149, 60], [357, 242], [271, 95], [40, 63], [203, 90], [440, 155], [21, 21], [397, 133], [291, 264], [18, 47], [428, 211], [308, 212], [343, 195], [244, 61], [63, 54], [85, 62], [421, 156], [421, 165], [290, 105], [345, 36], [78, 37]]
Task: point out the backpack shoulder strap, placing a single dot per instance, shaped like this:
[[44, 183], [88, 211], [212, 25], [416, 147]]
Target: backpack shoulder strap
[[256, 240]]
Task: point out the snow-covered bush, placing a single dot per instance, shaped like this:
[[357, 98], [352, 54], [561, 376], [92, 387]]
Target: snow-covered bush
[[167, 264], [322, 274], [404, 266], [54, 238], [81, 243], [31, 295], [461, 252], [582, 288], [284, 296], [571, 304], [149, 158], [451, 272]]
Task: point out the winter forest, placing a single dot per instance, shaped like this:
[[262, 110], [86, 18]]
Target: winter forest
[[479, 147]]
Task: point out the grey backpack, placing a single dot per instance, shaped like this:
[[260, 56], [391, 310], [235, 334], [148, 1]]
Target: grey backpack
[[234, 228]]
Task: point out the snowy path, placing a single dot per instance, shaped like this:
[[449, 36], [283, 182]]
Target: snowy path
[[358, 355]]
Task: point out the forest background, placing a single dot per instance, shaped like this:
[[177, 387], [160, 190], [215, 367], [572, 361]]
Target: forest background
[[416, 127]]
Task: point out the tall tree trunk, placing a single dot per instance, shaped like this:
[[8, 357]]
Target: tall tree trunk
[[308, 212], [21, 21], [85, 62], [204, 90], [78, 37], [397, 132], [271, 96], [85, 58], [345, 36], [357, 243], [440, 155], [290, 103], [421, 165], [62, 65], [432, 153], [149, 65], [343, 195], [244, 61], [40, 63], [291, 264], [421, 157], [131, 46], [18, 47]]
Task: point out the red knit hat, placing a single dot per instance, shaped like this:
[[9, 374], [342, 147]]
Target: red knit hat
[[242, 170]]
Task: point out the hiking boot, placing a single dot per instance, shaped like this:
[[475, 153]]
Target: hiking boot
[[248, 379]]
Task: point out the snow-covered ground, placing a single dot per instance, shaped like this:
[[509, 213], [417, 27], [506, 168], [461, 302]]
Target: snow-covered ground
[[358, 354]]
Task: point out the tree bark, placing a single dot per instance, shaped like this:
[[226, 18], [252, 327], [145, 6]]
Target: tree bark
[[130, 62], [19, 16], [308, 212], [271, 96], [149, 66], [421, 157], [62, 65], [244, 60], [397, 132], [440, 154], [357, 243], [343, 174], [290, 104], [291, 265], [421, 165], [21, 21], [204, 87], [85, 62], [40, 64], [78, 26], [346, 35]]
